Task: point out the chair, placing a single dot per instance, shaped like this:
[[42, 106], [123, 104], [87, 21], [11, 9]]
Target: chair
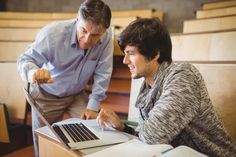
[[4, 123]]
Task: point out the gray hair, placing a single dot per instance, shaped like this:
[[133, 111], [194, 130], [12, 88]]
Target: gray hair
[[96, 11]]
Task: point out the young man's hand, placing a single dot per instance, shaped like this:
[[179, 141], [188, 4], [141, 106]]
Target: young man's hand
[[89, 114], [42, 76], [109, 117]]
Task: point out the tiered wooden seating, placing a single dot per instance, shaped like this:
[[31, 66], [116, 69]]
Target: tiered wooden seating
[[214, 16], [119, 21], [10, 51], [122, 22], [12, 43], [216, 12], [37, 20], [213, 46], [210, 24], [18, 34], [11, 90], [219, 4], [144, 13], [24, 23], [36, 16]]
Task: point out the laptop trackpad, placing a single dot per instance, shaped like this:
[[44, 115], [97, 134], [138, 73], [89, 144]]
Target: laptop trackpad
[[108, 134]]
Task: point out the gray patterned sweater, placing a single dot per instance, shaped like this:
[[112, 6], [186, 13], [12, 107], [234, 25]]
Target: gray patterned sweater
[[177, 110]]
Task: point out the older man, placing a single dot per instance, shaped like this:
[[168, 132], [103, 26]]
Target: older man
[[64, 56]]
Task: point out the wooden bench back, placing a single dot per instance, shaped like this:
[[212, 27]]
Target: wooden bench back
[[18, 34], [216, 12], [11, 92], [217, 46], [210, 24], [219, 4], [144, 13]]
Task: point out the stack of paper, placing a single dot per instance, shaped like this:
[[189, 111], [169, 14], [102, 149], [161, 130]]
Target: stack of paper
[[134, 148], [137, 148]]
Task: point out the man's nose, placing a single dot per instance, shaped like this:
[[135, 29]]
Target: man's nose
[[126, 59], [87, 38]]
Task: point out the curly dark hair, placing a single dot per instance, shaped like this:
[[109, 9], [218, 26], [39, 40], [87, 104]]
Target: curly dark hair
[[150, 37]]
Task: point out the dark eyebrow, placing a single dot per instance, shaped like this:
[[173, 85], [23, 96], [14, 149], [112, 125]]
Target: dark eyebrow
[[84, 29], [129, 51]]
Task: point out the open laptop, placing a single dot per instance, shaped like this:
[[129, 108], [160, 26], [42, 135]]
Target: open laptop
[[77, 134]]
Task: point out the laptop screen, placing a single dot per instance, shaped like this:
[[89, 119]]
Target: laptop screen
[[77, 134]]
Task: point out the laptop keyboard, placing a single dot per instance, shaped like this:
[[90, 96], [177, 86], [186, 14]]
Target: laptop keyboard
[[79, 132]]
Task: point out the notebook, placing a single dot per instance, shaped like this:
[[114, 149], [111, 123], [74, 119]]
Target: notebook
[[137, 148], [79, 134]]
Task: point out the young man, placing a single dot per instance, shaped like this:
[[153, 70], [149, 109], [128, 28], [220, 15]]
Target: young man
[[63, 58], [174, 104]]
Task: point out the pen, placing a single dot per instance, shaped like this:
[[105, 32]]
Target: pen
[[166, 151], [132, 123]]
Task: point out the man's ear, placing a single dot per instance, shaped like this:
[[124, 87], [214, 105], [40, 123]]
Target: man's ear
[[157, 56]]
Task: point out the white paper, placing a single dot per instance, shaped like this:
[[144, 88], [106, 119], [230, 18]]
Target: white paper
[[132, 148], [183, 151]]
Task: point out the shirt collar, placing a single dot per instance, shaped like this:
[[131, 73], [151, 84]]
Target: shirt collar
[[102, 37], [160, 73], [73, 39]]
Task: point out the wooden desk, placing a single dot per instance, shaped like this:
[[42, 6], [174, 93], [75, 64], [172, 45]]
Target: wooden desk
[[50, 146]]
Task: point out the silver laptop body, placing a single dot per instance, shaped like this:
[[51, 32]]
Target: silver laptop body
[[69, 137]]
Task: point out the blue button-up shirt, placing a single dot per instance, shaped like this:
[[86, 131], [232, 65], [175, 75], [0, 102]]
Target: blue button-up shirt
[[57, 50]]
